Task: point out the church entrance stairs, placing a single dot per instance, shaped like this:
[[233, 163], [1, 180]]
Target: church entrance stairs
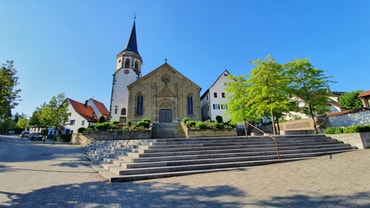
[[176, 156]]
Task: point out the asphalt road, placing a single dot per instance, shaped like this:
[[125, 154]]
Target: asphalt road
[[16, 149]]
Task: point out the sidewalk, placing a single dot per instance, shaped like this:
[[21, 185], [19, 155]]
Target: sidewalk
[[63, 178]]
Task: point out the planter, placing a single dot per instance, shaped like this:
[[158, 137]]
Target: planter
[[191, 133], [88, 137], [360, 140]]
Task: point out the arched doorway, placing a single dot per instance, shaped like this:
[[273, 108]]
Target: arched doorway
[[165, 112], [165, 116]]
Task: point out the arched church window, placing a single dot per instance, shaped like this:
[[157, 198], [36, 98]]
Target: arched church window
[[123, 111], [127, 63], [139, 105], [190, 105], [136, 67]]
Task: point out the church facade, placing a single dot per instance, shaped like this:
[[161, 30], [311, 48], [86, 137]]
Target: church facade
[[164, 95]]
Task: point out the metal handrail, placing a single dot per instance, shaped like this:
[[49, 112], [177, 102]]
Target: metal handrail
[[273, 138]]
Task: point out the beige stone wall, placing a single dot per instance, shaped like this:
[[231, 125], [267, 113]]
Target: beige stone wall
[[304, 124], [359, 140], [164, 88]]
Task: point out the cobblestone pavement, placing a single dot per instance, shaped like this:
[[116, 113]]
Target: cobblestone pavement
[[63, 178]]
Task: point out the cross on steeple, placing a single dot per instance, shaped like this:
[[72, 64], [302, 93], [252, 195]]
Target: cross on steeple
[[165, 60]]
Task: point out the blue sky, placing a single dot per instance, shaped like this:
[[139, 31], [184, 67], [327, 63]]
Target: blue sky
[[70, 46]]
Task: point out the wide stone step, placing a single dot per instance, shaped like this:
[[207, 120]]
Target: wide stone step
[[236, 153], [174, 156], [216, 164], [228, 149], [238, 138], [200, 146], [199, 164]]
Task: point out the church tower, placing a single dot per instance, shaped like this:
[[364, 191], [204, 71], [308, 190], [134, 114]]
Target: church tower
[[128, 70]]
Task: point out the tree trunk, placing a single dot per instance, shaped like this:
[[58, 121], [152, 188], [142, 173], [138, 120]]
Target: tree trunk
[[313, 119], [273, 122], [245, 128]]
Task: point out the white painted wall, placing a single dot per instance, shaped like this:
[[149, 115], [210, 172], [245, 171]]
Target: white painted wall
[[218, 87]]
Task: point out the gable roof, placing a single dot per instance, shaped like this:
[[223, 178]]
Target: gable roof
[[101, 107], [219, 77], [85, 111], [364, 93], [165, 65]]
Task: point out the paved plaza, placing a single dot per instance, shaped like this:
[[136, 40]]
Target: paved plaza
[[46, 175]]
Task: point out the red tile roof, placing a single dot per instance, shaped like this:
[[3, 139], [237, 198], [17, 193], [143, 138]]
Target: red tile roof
[[85, 111], [103, 110], [364, 93]]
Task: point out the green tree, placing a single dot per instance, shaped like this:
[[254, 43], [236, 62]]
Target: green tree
[[22, 123], [34, 120], [9, 97], [55, 113], [101, 119], [311, 85], [267, 95], [350, 100]]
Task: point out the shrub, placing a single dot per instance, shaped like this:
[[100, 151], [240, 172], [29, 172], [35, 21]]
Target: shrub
[[346, 130], [364, 128], [190, 123], [220, 125], [352, 129], [102, 126], [115, 122], [101, 119], [185, 120], [332, 130], [200, 125], [81, 129], [142, 124]]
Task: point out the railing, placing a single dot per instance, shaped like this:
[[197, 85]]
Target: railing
[[273, 138]]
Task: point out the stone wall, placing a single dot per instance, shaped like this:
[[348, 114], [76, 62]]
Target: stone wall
[[350, 119], [359, 140], [88, 137], [304, 124]]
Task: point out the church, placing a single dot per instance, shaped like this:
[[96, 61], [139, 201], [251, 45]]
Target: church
[[164, 95]]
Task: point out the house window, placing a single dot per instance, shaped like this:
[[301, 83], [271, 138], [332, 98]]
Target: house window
[[127, 63], [115, 110], [223, 95], [216, 106], [190, 105], [123, 111], [72, 122], [215, 94], [83, 123], [139, 105]]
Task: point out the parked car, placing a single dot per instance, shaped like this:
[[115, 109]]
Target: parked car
[[35, 137], [24, 134]]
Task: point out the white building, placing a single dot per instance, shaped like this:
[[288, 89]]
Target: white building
[[214, 100], [84, 115]]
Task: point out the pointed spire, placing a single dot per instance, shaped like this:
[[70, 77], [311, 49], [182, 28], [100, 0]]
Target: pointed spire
[[132, 44]]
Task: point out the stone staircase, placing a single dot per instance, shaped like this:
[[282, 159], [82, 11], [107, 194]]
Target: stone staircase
[[159, 158], [167, 130]]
